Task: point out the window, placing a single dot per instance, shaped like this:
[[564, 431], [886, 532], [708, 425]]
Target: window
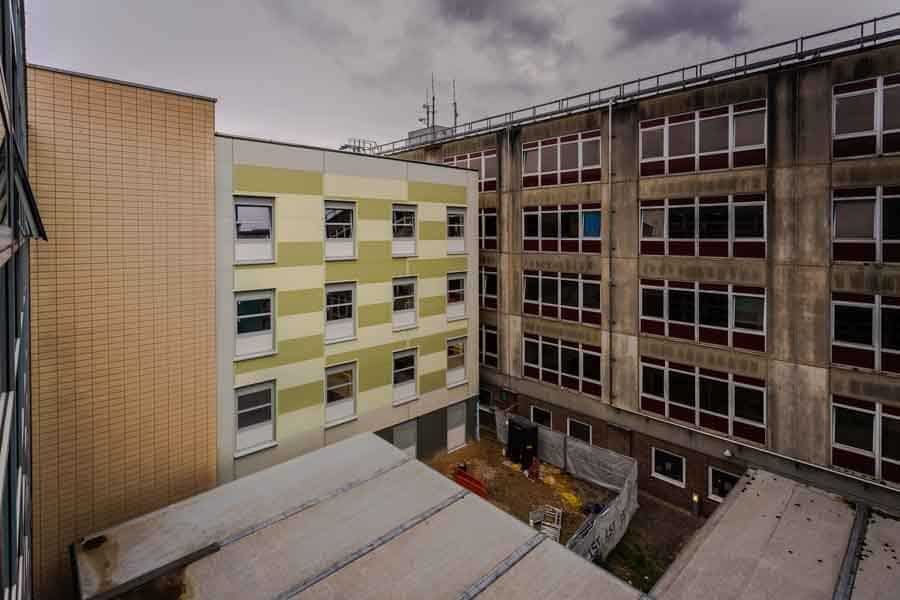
[[456, 295], [866, 117], [456, 230], [865, 437], [488, 352], [339, 230], [730, 404], [865, 331], [254, 334], [403, 223], [567, 228], [340, 400], [856, 234], [484, 162], [570, 297], [710, 139], [487, 228], [562, 160], [255, 427], [404, 314], [541, 417], [486, 404], [456, 361], [254, 239], [404, 376], [720, 314], [667, 466], [562, 363], [487, 292], [720, 484], [580, 431], [340, 323], [653, 222]]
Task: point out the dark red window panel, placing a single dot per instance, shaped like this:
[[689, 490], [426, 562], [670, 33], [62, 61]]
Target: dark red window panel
[[857, 251], [653, 361], [653, 405], [590, 348], [652, 123], [890, 362], [890, 471], [717, 423], [712, 112], [714, 248], [654, 327], [854, 357], [550, 377], [854, 402], [749, 341], [569, 245], [712, 373], [749, 432], [549, 179], [592, 246], [551, 312], [890, 410], [680, 201], [653, 202], [857, 146], [853, 461], [569, 138], [684, 285], [592, 318], [682, 118], [749, 105], [490, 244], [656, 167], [490, 186], [656, 282], [681, 165], [549, 245], [681, 367], [750, 158], [855, 192], [749, 381], [530, 181], [890, 300], [681, 413], [653, 247], [532, 372], [570, 314], [568, 177], [714, 336], [746, 289], [849, 297], [592, 205], [490, 303], [532, 308], [713, 199], [856, 86], [714, 287], [890, 252], [570, 382], [528, 145], [714, 162], [890, 190], [685, 332], [683, 248], [749, 249], [890, 142], [591, 174], [591, 388], [533, 245], [749, 197]]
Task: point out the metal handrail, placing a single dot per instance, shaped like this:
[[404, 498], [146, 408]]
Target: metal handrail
[[801, 48]]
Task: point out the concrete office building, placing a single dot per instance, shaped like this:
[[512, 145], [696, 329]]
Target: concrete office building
[[700, 269], [345, 302]]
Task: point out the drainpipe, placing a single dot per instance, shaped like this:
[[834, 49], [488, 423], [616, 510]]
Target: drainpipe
[[609, 220]]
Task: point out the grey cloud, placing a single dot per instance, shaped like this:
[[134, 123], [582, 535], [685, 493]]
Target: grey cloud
[[659, 20], [507, 16]]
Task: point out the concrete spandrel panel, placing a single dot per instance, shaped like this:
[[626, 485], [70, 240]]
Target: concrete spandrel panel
[[551, 572], [145, 543], [878, 573], [283, 555], [439, 558], [776, 538]]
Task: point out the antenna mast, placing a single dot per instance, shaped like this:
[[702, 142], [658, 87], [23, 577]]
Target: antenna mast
[[433, 114], [455, 107]]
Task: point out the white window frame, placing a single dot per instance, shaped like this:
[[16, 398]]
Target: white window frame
[[560, 343], [570, 420], [739, 113], [403, 391], [456, 376], [343, 329], [465, 161], [876, 432], [549, 413], [877, 116], [655, 475], [483, 354], [456, 244], [352, 367], [483, 215], [270, 386], [266, 202], [484, 273], [252, 339], [877, 238], [877, 346], [557, 168], [580, 307], [404, 246], [407, 317], [341, 248], [709, 482], [456, 310]]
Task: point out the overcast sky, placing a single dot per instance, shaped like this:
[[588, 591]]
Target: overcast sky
[[319, 72]]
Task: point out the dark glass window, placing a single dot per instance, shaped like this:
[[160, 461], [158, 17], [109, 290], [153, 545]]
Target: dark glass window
[[568, 222], [721, 483], [652, 381], [490, 167], [749, 222], [681, 389], [854, 114], [490, 225], [549, 356], [891, 218], [533, 289], [714, 222], [590, 366], [532, 352], [569, 293], [749, 404], [548, 159], [532, 225], [652, 143], [749, 129], [714, 134], [591, 221], [570, 361], [580, 431], [854, 428], [490, 284], [541, 416], [652, 220], [854, 219], [681, 306], [853, 324], [714, 396], [714, 309], [568, 156], [749, 312], [252, 221], [681, 222], [590, 293], [891, 106], [549, 290], [652, 303], [668, 465], [531, 160], [890, 328], [681, 139], [590, 152], [550, 225], [890, 438]]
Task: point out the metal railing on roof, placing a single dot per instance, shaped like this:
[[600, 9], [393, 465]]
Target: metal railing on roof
[[862, 34]]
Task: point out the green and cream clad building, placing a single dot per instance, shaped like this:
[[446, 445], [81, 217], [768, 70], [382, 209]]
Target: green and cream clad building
[[346, 301]]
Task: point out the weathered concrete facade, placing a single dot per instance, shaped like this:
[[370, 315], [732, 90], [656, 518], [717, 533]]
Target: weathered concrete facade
[[794, 174]]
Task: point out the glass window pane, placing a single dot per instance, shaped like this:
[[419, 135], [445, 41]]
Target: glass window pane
[[531, 160], [681, 388], [652, 380], [490, 284], [549, 292], [652, 303], [721, 483], [714, 134], [591, 366], [590, 153], [532, 225], [749, 129], [568, 224], [490, 225], [749, 312], [891, 218], [254, 417], [568, 156], [255, 306], [550, 225], [853, 324], [490, 167], [668, 465], [569, 293], [854, 219], [749, 404], [252, 221], [681, 139], [855, 113], [892, 108], [714, 396], [549, 356], [652, 143], [854, 428], [541, 416], [652, 220], [681, 222], [580, 431], [714, 222], [570, 361], [681, 306], [533, 289], [475, 163], [248, 400], [254, 324], [490, 341], [890, 328], [548, 159], [591, 221], [532, 352], [714, 309], [340, 378], [590, 295], [749, 222], [890, 438]]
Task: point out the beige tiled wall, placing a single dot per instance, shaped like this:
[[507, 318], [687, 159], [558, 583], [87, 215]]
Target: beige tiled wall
[[123, 321]]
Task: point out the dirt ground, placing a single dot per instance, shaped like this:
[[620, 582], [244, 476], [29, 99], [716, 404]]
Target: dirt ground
[[511, 491], [656, 535]]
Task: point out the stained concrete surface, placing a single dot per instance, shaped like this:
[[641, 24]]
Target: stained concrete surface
[[878, 573]]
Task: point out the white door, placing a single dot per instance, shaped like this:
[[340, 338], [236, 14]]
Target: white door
[[456, 426]]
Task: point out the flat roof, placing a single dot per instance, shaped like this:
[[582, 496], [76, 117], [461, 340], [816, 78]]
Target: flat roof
[[772, 538], [359, 518], [878, 572]]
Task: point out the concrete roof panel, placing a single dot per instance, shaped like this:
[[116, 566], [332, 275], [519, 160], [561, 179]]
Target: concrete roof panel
[[878, 573]]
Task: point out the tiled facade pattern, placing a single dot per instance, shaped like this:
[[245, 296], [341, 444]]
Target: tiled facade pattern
[[123, 307]]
